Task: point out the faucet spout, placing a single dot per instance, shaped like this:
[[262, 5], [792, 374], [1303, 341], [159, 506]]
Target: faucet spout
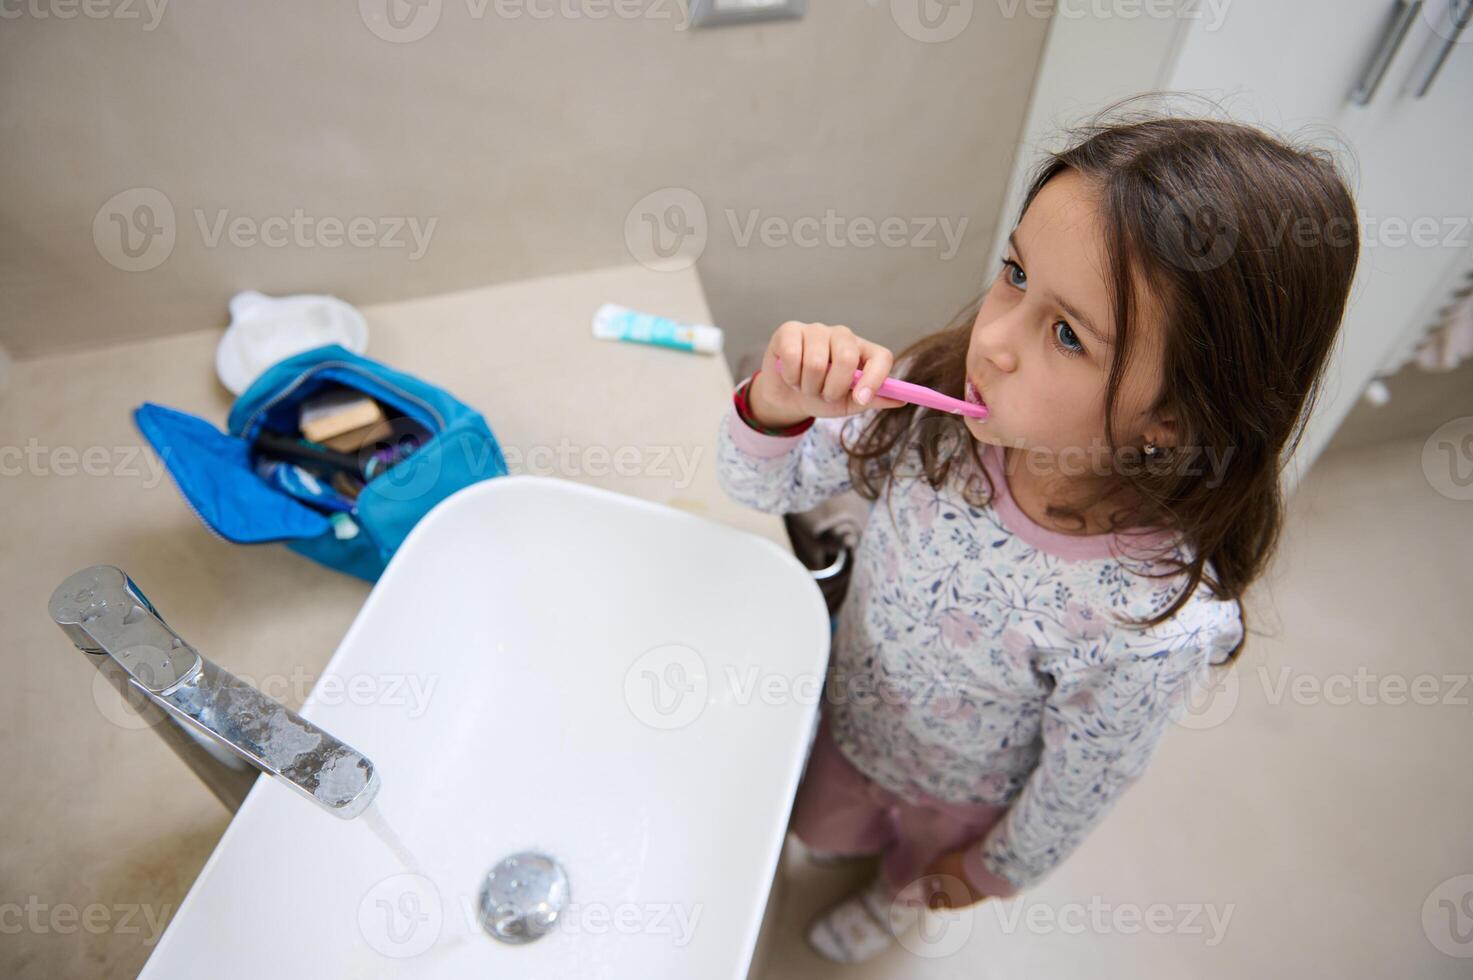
[[224, 729]]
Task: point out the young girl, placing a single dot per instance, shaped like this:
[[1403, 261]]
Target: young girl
[[1043, 585]]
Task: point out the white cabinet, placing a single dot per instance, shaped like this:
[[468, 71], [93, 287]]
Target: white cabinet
[[1292, 68], [1296, 65], [1281, 64]]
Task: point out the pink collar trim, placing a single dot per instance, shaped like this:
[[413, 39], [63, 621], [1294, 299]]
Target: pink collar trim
[[1073, 547]]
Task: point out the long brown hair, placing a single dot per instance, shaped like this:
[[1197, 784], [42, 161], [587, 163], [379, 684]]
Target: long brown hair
[[1250, 245]]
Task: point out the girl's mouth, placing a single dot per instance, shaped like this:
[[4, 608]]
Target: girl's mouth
[[972, 394]]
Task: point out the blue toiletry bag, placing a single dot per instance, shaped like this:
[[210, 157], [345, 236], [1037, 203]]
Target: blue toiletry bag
[[218, 478]]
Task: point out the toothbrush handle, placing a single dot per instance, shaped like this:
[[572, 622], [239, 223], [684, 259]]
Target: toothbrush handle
[[914, 394]]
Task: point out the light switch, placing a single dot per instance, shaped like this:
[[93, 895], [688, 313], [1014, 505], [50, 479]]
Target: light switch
[[714, 13]]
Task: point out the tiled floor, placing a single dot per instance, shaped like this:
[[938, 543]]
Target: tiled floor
[[1318, 807]]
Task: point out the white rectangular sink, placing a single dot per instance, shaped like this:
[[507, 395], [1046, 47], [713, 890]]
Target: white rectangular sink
[[549, 667]]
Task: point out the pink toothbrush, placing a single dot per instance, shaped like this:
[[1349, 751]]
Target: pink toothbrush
[[913, 394]]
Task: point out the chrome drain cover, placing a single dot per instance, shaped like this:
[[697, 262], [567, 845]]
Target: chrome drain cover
[[522, 897]]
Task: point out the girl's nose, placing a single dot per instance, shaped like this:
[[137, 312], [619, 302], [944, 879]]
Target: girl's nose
[[997, 340]]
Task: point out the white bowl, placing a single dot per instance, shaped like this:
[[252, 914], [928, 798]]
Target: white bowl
[[265, 330]]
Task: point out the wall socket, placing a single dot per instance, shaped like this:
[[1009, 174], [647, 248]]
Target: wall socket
[[716, 13]]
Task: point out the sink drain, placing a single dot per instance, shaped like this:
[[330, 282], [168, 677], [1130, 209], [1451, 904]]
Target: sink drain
[[522, 897]]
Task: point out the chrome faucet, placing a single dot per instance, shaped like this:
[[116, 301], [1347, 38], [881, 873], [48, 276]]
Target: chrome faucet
[[225, 730]]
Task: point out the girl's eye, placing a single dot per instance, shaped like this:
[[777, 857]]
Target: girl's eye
[[1070, 346], [1008, 268], [1066, 341]]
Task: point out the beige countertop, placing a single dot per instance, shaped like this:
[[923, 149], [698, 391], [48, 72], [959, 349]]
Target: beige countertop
[[97, 811]]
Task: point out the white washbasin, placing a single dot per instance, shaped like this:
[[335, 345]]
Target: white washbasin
[[544, 666]]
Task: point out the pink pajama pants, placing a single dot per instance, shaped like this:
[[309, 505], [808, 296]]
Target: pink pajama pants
[[839, 810]]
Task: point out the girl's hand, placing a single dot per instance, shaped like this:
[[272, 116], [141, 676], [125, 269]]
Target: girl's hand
[[818, 365], [949, 887]]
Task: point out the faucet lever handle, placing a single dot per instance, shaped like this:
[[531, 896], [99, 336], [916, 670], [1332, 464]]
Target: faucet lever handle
[[103, 613]]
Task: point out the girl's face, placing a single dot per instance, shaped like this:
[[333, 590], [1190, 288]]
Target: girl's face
[[1040, 350]]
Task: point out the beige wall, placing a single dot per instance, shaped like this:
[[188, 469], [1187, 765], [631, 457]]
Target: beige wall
[[518, 145]]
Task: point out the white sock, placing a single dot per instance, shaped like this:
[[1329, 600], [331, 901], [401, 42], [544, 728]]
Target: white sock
[[862, 926]]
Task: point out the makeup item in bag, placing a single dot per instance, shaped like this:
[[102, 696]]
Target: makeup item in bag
[[356, 439], [302, 484], [385, 454], [336, 411], [348, 486], [310, 456]]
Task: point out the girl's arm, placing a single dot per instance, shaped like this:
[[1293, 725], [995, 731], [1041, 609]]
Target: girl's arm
[[785, 474], [1102, 722]]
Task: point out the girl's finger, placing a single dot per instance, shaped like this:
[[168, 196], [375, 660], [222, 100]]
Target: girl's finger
[[877, 362], [843, 359], [787, 346], [815, 358]]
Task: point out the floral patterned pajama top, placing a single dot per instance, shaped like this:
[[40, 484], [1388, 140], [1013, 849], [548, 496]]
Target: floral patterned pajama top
[[975, 658]]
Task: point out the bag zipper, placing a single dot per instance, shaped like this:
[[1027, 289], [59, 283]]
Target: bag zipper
[[201, 518], [210, 527], [353, 369]]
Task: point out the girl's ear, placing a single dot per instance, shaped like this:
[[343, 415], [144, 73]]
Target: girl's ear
[[1162, 430]]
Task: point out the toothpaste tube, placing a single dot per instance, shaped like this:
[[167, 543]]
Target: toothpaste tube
[[613, 322]]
